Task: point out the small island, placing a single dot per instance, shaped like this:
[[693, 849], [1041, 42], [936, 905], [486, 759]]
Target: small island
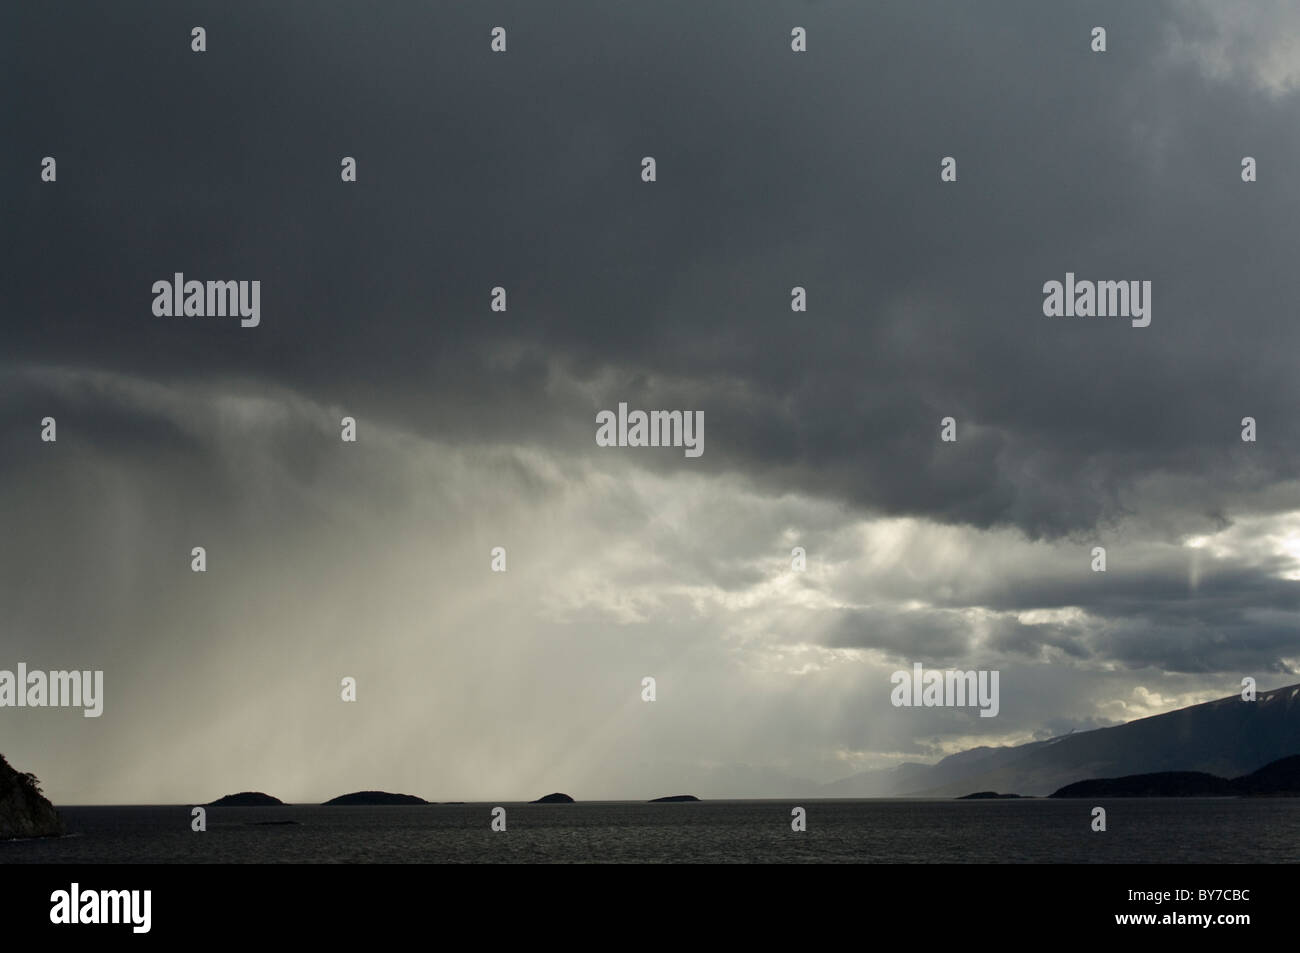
[[373, 798], [673, 799], [1279, 778], [988, 796], [1160, 784], [24, 811], [246, 799], [555, 798]]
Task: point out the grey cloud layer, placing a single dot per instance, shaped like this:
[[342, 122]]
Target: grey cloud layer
[[521, 170], [776, 170]]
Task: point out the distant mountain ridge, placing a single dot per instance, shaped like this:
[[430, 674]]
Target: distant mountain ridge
[[1227, 738]]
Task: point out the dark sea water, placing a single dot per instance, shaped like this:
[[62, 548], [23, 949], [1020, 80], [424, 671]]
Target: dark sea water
[[1183, 830]]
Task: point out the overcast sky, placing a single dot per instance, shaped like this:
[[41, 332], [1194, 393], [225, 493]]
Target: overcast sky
[[476, 429]]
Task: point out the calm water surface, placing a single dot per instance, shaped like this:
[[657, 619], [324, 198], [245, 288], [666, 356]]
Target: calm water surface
[[1183, 830]]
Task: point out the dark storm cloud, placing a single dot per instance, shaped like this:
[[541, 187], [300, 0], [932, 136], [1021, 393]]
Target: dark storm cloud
[[477, 428], [926, 634], [1232, 606], [819, 170]]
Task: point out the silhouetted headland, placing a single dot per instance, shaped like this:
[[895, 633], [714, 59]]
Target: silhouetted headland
[[556, 798], [24, 811], [246, 799], [374, 798], [1279, 778], [672, 798]]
